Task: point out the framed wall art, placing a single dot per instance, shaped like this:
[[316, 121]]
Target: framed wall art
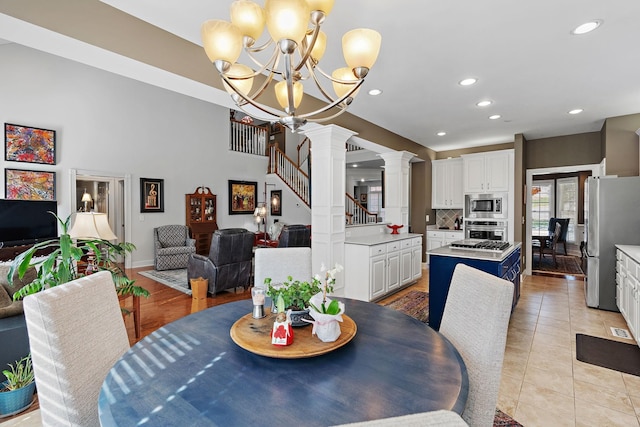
[[242, 197], [29, 144], [29, 185], [151, 195], [276, 202]]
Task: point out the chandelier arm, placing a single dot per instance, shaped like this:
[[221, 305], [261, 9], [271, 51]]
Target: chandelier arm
[[312, 74], [249, 99], [288, 76], [324, 119], [305, 50], [335, 103], [271, 65]]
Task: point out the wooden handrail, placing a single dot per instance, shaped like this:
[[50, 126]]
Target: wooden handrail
[[304, 141], [248, 138], [291, 174], [360, 215]]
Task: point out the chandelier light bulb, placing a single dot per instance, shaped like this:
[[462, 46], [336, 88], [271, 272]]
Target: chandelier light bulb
[[239, 76], [248, 17], [361, 47], [287, 19], [324, 6], [345, 74], [318, 49], [222, 40], [283, 95]]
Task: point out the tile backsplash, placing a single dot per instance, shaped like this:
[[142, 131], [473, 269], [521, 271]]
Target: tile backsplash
[[447, 217]]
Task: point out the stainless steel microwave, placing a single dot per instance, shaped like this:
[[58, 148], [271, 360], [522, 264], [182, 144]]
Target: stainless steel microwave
[[485, 206]]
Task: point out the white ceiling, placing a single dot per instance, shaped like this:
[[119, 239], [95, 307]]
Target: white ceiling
[[522, 53]]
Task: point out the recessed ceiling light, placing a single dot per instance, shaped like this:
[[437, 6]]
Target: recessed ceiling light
[[495, 117], [361, 179], [576, 111], [484, 103], [375, 92], [587, 27], [355, 166], [441, 133], [467, 82]]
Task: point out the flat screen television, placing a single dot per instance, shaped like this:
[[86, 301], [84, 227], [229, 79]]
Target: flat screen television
[[25, 222]]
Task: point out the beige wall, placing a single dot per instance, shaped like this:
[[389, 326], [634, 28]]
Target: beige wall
[[621, 145], [568, 150]]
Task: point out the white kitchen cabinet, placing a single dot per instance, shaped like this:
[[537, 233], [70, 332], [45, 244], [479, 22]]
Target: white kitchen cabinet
[[488, 172], [446, 184], [439, 238], [628, 286], [373, 271]]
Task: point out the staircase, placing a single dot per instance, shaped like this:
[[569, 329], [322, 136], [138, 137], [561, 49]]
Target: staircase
[[251, 139]]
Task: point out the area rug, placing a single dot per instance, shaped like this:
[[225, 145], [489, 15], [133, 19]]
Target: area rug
[[176, 279], [567, 264], [414, 304], [616, 355]]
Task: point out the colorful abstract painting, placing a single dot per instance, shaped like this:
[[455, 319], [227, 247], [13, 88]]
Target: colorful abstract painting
[[242, 197], [29, 185], [30, 145]]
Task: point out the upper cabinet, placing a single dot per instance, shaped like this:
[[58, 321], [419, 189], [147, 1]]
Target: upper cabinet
[[488, 172], [447, 184]]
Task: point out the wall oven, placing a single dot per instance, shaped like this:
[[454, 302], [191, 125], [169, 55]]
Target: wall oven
[[485, 206], [486, 230]]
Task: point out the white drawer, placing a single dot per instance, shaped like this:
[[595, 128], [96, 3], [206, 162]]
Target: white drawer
[[406, 243], [378, 250], [393, 246], [458, 235], [416, 241], [435, 234]]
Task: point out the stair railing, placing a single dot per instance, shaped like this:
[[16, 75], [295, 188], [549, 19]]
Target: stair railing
[[248, 138], [356, 213], [289, 173], [304, 148]]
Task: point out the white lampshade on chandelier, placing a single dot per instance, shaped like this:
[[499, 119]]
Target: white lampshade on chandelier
[[293, 52]]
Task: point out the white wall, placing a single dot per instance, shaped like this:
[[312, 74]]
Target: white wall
[[105, 122]]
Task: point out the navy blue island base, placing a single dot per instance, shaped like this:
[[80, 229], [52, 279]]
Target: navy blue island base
[[190, 372]]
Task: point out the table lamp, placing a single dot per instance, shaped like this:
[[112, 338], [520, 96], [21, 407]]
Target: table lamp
[[90, 226], [86, 199]]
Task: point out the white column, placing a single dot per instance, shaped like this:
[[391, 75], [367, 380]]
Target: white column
[[396, 188], [328, 176]]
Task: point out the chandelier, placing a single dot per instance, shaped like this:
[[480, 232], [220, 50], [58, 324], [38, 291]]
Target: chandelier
[[288, 58]]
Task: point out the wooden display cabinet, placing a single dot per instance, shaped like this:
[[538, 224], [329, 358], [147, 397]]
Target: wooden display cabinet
[[201, 210]]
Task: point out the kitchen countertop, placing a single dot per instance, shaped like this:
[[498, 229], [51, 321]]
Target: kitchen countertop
[[632, 251], [470, 254], [376, 239]]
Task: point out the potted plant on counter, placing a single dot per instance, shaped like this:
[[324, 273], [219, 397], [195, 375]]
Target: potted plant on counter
[[16, 393]]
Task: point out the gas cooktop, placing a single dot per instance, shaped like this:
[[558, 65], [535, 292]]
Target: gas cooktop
[[480, 245]]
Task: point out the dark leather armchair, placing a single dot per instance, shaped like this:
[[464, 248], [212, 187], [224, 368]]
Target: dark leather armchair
[[229, 262], [295, 235], [564, 223]]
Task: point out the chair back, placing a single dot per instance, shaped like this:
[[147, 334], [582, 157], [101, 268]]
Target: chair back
[[171, 235], [475, 320], [278, 263], [556, 234], [295, 236], [77, 334], [231, 245], [564, 222]]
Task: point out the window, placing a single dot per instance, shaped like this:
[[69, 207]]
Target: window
[[374, 204], [542, 206], [567, 203]]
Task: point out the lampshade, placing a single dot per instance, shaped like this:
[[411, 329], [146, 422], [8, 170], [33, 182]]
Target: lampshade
[[317, 52], [282, 94], [287, 19], [243, 85], [222, 40], [248, 17], [321, 5], [91, 225], [345, 74], [86, 197], [360, 47]]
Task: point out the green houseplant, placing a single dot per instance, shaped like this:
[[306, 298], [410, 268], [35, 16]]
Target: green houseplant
[[16, 393], [60, 265]]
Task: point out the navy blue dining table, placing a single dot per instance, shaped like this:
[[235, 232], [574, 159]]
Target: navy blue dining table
[[191, 373]]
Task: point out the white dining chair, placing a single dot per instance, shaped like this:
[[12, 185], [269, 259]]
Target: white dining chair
[[278, 263], [475, 320], [76, 334], [440, 418]]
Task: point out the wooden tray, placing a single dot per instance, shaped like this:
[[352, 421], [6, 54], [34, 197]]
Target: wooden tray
[[254, 335]]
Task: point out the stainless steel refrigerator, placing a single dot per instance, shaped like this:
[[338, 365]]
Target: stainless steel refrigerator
[[612, 217]]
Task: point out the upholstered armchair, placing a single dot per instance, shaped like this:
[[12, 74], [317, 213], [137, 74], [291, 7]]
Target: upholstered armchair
[[172, 247], [229, 262], [295, 235]]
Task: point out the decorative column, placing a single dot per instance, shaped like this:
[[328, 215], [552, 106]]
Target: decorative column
[[396, 188], [328, 176]]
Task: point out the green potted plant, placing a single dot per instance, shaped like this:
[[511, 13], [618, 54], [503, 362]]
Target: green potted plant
[[16, 393], [60, 265]]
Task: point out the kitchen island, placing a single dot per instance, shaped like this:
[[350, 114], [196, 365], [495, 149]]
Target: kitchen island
[[503, 263]]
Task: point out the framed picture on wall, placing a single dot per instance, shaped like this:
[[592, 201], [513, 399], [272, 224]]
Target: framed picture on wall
[[242, 197], [276, 202], [151, 195], [363, 198], [29, 144], [29, 185]]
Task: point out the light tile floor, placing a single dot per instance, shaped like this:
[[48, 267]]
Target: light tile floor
[[543, 384]]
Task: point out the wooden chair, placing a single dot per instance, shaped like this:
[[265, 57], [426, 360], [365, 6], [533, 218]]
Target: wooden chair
[[475, 320], [76, 334]]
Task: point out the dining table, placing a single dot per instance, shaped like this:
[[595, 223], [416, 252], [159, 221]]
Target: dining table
[[192, 372]]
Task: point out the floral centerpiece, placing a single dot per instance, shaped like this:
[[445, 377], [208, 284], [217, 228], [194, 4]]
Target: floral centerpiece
[[326, 312]]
